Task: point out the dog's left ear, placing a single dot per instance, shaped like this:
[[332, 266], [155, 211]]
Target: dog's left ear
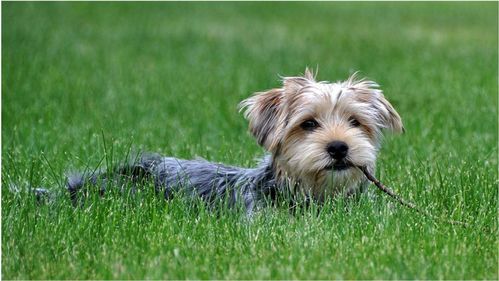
[[389, 116], [368, 91]]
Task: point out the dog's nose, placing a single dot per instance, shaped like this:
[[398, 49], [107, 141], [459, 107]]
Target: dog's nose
[[337, 149]]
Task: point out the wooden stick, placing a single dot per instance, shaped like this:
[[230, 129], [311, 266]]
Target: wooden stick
[[402, 202]]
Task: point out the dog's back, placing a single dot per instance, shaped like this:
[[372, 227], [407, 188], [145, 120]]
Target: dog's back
[[171, 176]]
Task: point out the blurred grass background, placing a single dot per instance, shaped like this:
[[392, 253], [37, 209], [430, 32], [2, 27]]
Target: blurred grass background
[[167, 77]]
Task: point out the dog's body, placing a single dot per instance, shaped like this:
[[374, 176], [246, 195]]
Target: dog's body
[[247, 187], [316, 134]]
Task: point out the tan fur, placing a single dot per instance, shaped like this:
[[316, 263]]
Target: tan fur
[[300, 156]]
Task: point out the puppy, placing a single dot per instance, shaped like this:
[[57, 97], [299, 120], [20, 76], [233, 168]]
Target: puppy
[[316, 134]]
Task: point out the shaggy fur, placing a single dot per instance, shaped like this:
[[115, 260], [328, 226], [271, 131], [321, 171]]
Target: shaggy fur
[[315, 133]]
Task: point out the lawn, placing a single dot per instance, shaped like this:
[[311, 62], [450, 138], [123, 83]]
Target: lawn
[[86, 80]]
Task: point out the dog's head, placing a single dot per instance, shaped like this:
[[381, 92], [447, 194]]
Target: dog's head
[[321, 130]]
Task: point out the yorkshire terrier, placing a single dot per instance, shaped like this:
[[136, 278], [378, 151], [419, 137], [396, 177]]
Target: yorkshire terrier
[[316, 134]]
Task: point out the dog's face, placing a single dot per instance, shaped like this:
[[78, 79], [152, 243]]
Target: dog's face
[[318, 132]]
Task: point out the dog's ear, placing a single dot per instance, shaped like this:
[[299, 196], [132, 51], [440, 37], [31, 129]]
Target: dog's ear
[[389, 116], [368, 92], [264, 111]]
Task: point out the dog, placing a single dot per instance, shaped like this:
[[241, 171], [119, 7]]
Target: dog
[[315, 133]]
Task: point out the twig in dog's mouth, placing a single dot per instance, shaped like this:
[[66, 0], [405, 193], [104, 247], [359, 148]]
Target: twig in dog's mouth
[[401, 201]]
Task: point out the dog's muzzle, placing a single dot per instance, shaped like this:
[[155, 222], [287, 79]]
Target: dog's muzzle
[[339, 165]]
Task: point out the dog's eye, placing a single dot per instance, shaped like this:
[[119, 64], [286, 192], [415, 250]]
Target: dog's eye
[[354, 122], [309, 125]]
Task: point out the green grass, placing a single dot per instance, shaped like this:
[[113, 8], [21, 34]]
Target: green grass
[[166, 77]]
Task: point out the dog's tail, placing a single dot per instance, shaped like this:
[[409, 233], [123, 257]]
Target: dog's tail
[[41, 194], [125, 175], [78, 184]]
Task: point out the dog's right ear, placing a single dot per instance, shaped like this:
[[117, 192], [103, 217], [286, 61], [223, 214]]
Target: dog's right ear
[[264, 111]]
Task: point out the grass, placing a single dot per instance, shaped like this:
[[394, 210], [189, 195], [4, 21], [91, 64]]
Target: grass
[[167, 77]]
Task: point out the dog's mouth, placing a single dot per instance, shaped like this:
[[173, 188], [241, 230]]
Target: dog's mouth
[[339, 165]]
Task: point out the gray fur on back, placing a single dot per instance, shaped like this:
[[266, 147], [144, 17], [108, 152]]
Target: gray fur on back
[[210, 181]]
